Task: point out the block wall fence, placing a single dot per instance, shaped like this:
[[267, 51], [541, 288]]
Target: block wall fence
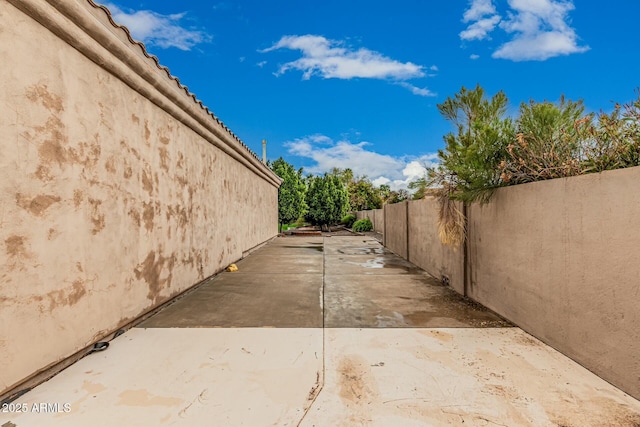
[[559, 258], [118, 189]]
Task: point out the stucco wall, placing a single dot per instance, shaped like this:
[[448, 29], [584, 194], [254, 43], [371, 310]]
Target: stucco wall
[[425, 249], [395, 226], [558, 258], [561, 259], [118, 189], [377, 218]]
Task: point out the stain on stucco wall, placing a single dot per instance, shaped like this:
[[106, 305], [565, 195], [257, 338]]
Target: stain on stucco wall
[[111, 203]]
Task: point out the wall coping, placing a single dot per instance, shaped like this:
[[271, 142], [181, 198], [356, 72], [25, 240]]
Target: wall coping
[[111, 47]]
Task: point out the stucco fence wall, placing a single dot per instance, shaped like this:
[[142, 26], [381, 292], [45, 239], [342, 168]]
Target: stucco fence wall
[[376, 216], [558, 258], [118, 189]]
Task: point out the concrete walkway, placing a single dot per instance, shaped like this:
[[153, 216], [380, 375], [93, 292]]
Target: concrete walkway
[[332, 331]]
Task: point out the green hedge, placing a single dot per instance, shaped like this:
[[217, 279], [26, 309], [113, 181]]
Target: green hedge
[[348, 220], [362, 225]]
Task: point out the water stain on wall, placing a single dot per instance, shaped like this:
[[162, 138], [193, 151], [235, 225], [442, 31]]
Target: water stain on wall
[[129, 149], [151, 271], [147, 132], [68, 296], [135, 215], [110, 165], [37, 205], [86, 154], [163, 138], [15, 246], [52, 234], [164, 158], [40, 93], [147, 180], [52, 149], [97, 217], [148, 215], [77, 198]]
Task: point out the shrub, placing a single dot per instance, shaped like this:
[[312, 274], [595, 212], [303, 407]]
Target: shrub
[[348, 220], [362, 225]]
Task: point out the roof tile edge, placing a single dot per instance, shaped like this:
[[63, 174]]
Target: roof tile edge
[[167, 71]]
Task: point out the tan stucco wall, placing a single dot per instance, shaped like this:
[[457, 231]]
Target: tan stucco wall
[[118, 189], [558, 258], [425, 249], [395, 226], [561, 259], [377, 218]]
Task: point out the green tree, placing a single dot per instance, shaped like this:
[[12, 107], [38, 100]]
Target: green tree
[[363, 195], [345, 175], [384, 191], [469, 163], [548, 143], [397, 196], [327, 200], [421, 186], [291, 194]]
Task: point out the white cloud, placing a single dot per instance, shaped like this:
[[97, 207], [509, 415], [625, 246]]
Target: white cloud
[[474, 56], [261, 64], [330, 59], [417, 90], [159, 30], [482, 14], [480, 29], [540, 31], [477, 9], [539, 28], [397, 172]]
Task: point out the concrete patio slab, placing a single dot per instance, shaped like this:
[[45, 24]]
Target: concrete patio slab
[[247, 300], [454, 377], [185, 377], [249, 349], [401, 300], [355, 246], [369, 265], [267, 262]]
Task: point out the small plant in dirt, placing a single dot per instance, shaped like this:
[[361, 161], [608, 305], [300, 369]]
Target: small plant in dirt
[[348, 220], [362, 225]]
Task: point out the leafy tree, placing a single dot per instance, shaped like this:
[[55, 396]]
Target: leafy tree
[[469, 163], [384, 191], [421, 186], [345, 175], [398, 196], [291, 195], [614, 142], [548, 143], [340, 199], [327, 200], [363, 195]]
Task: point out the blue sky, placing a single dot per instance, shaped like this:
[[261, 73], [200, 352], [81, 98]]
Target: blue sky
[[356, 83]]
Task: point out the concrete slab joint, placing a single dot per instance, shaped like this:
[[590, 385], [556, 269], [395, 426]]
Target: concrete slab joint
[[314, 331]]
